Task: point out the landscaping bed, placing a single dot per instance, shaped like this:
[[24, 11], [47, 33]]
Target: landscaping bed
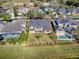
[[39, 39]]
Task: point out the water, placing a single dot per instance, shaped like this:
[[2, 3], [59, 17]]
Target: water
[[63, 38]]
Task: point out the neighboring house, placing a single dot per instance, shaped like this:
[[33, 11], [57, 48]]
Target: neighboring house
[[39, 26], [61, 34], [60, 10], [64, 11], [45, 4], [12, 29], [66, 22], [75, 19], [67, 11], [77, 23], [1, 25], [2, 10], [22, 10], [41, 11], [74, 11], [77, 10], [64, 28], [50, 4]]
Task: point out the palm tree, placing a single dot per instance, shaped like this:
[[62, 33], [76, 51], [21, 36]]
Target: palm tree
[[54, 40], [53, 37], [31, 14], [38, 37]]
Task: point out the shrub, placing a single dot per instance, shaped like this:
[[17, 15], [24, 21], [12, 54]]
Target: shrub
[[23, 37], [5, 16], [11, 41], [2, 43]]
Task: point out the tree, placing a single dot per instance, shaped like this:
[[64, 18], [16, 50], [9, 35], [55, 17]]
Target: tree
[[75, 0], [76, 34], [77, 31], [53, 37], [23, 37], [73, 3], [48, 0], [11, 40], [41, 0], [40, 14], [38, 35], [1, 1], [61, 1], [69, 3], [2, 43], [5, 16], [15, 12], [31, 14]]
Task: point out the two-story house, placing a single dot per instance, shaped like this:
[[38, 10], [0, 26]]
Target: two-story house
[[39, 26]]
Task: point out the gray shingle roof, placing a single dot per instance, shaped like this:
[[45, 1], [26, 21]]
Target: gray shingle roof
[[40, 23], [77, 23], [74, 18], [13, 26], [67, 21], [2, 10]]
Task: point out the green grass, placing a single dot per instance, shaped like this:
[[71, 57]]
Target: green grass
[[62, 42], [23, 37], [74, 16], [48, 52]]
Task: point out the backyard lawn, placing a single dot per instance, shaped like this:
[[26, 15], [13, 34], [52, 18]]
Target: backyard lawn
[[45, 52], [39, 39]]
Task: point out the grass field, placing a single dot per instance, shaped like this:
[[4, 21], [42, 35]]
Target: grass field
[[45, 52]]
